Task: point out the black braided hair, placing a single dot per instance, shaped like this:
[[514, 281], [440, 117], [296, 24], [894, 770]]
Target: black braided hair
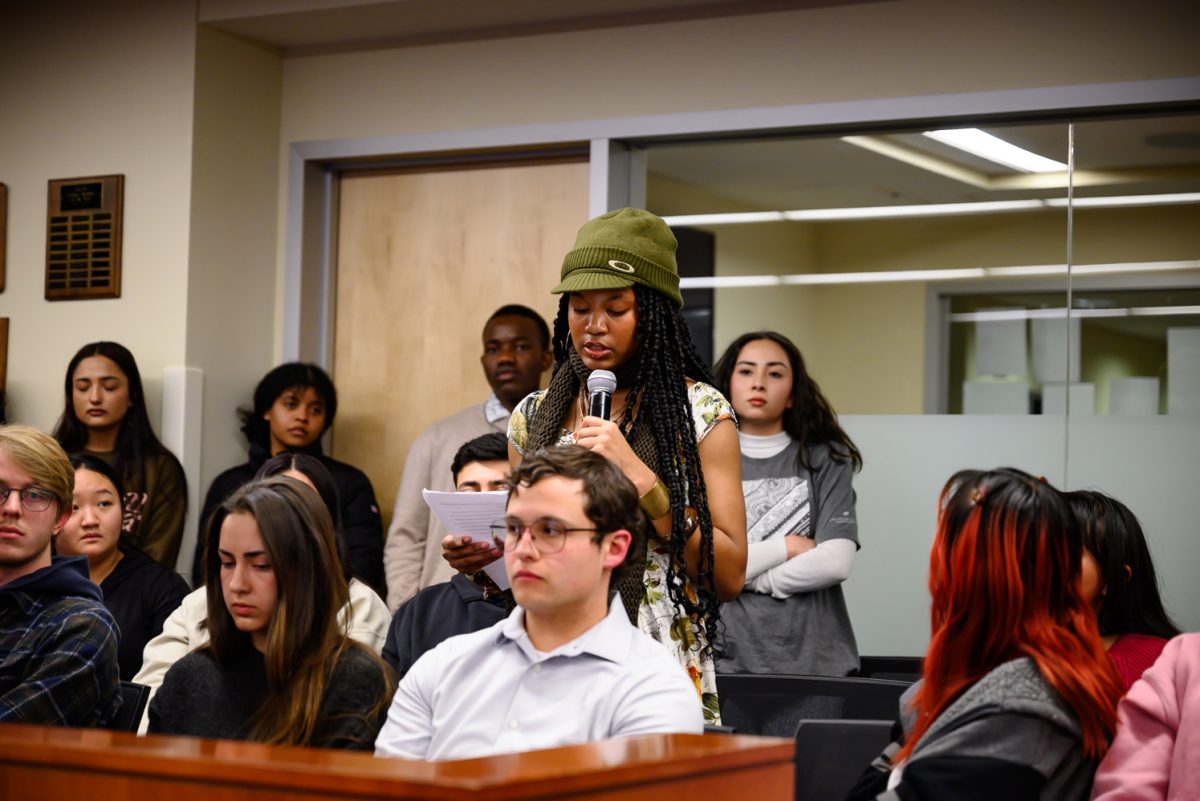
[[666, 357]]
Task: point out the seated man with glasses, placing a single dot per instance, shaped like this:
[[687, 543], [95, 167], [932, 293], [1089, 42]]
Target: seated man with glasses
[[566, 666], [58, 643]]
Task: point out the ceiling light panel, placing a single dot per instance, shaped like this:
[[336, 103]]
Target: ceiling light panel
[[994, 149]]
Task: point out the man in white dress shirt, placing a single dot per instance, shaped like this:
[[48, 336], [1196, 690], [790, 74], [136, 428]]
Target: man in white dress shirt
[[566, 666]]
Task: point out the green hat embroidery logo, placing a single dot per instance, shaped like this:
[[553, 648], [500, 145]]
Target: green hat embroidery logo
[[624, 267]]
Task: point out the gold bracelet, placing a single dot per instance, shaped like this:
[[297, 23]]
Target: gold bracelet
[[657, 501]]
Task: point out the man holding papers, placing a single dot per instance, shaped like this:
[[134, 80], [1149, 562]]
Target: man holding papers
[[566, 666], [458, 606], [516, 351]]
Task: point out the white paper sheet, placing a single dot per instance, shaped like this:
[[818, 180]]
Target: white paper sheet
[[471, 513]]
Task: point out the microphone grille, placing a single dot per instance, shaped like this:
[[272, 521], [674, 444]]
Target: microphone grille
[[602, 381]]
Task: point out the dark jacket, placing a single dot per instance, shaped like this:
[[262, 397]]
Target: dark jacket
[[58, 648], [437, 613], [362, 527], [1008, 737], [140, 593]]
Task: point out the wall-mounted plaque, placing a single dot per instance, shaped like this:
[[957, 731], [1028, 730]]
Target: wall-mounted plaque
[[3, 369], [83, 237], [3, 231]]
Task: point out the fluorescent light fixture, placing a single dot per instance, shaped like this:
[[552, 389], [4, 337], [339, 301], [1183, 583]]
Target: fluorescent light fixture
[[1176, 198], [726, 219], [730, 281], [1163, 311], [1135, 267], [882, 277], [1061, 312], [951, 274], [1026, 270], [921, 210], [995, 149], [928, 209]]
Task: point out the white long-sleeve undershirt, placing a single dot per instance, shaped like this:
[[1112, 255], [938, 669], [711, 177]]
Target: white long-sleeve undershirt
[[770, 572]]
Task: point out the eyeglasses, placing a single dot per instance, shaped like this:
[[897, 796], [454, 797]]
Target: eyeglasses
[[547, 535], [32, 498]]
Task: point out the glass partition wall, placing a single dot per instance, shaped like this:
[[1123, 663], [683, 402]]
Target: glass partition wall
[[1136, 435], [1024, 295]]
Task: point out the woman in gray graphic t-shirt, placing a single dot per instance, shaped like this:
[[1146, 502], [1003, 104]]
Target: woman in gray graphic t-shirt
[[802, 531]]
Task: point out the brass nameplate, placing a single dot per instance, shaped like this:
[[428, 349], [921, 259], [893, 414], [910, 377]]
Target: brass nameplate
[[83, 237]]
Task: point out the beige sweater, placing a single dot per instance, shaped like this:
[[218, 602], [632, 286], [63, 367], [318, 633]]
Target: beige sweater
[[412, 555]]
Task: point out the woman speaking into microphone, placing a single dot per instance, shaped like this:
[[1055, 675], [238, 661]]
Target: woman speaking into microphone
[[671, 433]]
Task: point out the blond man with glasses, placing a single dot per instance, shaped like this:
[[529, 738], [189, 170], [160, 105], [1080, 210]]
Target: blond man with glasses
[[58, 644]]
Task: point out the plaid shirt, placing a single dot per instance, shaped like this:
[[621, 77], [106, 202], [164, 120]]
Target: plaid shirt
[[58, 660]]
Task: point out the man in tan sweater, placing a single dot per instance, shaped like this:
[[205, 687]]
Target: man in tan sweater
[[516, 351]]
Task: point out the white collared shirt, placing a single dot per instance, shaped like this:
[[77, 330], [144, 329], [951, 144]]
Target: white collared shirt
[[494, 411], [491, 692]]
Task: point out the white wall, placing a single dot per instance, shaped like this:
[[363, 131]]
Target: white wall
[[1150, 464], [96, 89], [191, 118], [231, 277]]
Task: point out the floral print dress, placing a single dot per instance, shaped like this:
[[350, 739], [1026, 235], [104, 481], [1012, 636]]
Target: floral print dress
[[658, 617]]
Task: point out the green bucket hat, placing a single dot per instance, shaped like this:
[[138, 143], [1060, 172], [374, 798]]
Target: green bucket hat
[[620, 249]]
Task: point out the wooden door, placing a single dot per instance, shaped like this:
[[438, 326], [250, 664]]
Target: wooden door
[[423, 259]]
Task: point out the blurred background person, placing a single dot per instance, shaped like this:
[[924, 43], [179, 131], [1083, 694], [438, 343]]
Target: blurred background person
[[294, 405], [104, 414], [1120, 583]]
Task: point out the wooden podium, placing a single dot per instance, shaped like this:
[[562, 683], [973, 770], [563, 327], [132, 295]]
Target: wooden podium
[[55, 764]]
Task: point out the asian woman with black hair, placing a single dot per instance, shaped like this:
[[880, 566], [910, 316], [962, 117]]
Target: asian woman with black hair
[[104, 415], [802, 530], [294, 405], [279, 667], [1120, 583], [139, 592], [365, 616]]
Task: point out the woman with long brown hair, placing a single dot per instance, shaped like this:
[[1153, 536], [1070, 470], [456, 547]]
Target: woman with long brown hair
[[1018, 699], [279, 667], [104, 415], [801, 520]]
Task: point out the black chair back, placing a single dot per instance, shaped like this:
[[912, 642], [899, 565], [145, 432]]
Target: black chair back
[[773, 706], [832, 754], [134, 698], [897, 668]]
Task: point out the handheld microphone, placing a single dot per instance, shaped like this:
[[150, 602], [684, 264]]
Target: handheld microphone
[[601, 385]]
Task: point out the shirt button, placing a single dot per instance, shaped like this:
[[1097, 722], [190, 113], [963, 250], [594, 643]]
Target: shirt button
[[512, 724]]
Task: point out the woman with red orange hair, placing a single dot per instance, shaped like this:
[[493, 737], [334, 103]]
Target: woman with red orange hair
[[1018, 699]]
